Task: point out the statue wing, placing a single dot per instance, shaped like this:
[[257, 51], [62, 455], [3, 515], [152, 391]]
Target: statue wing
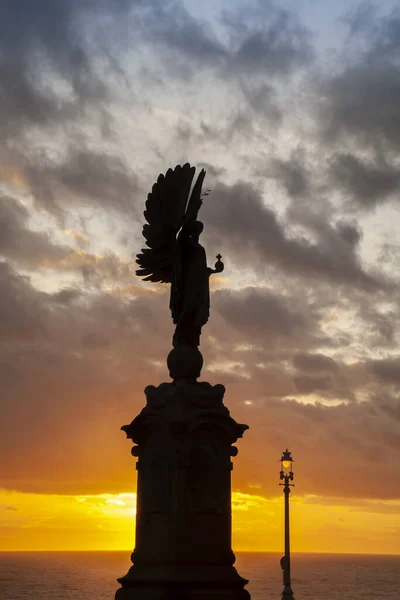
[[195, 201], [165, 214]]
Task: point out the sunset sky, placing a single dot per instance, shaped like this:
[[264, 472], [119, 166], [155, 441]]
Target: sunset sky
[[293, 108]]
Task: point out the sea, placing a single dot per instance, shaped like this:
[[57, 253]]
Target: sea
[[92, 575]]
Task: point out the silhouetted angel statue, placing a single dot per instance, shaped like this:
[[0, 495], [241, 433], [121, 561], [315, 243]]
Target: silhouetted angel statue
[[174, 254]]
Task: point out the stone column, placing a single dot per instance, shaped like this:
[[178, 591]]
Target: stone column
[[183, 550]]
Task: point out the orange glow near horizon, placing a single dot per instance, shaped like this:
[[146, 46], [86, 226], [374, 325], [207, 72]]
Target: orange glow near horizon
[[35, 522]]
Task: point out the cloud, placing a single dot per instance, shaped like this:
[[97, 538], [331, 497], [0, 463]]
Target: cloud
[[22, 315], [306, 384], [74, 365], [341, 441], [255, 309], [9, 508], [28, 248], [258, 38], [67, 359], [100, 96], [262, 99], [314, 362], [356, 111], [170, 25], [266, 38], [361, 102], [292, 174], [42, 44], [366, 182], [83, 177], [248, 229], [387, 370]]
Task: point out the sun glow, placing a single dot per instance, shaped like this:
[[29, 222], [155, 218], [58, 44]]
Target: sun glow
[[106, 522], [63, 522]]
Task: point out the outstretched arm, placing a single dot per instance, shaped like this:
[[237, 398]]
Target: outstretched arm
[[218, 267]]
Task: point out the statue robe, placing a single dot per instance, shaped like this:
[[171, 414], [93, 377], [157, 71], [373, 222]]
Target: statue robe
[[190, 292]]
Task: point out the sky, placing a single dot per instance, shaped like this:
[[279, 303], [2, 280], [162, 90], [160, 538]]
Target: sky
[[293, 109]]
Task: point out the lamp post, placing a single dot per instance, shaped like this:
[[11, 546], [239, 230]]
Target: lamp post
[[286, 475]]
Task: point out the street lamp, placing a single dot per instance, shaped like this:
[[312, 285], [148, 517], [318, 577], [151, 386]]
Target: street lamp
[[286, 475]]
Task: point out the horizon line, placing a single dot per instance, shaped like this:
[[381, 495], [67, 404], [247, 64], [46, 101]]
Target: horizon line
[[236, 552]]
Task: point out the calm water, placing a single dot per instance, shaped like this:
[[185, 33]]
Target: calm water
[[92, 575]]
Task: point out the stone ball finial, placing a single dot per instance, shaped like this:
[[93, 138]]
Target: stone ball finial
[[185, 362]]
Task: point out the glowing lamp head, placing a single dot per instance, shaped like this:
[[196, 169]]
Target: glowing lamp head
[[286, 465]]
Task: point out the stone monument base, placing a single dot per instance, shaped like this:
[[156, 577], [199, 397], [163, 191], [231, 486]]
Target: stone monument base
[[183, 593], [184, 438], [190, 583]]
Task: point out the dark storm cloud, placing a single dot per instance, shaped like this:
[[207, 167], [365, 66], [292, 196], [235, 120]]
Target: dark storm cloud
[[255, 310], [266, 39], [306, 384], [85, 178], [57, 58], [22, 314], [212, 170], [170, 25], [292, 173], [263, 38], [73, 364], [34, 250], [262, 100], [247, 228], [387, 370], [260, 329], [359, 120], [74, 359], [107, 269], [314, 362], [366, 182], [380, 327], [46, 46], [363, 100], [349, 231], [350, 442], [329, 379], [54, 61], [267, 334], [43, 42], [66, 295], [28, 248], [66, 360]]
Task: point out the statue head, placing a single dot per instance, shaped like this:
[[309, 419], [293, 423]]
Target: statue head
[[195, 228]]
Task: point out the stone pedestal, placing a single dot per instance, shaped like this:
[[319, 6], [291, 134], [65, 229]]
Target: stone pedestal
[[183, 551]]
